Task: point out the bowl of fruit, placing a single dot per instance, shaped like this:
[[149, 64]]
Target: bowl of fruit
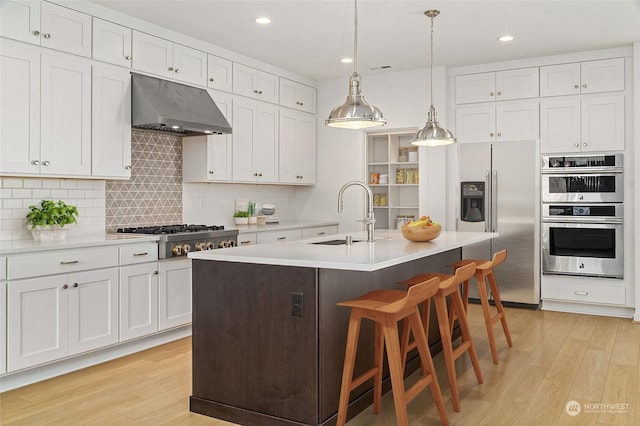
[[423, 229]]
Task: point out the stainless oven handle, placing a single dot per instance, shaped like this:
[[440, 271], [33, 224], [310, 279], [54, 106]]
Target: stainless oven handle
[[590, 221], [581, 171], [487, 186], [494, 201]]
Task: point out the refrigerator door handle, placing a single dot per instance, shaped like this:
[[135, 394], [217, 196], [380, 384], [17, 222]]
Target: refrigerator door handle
[[494, 202], [487, 207]]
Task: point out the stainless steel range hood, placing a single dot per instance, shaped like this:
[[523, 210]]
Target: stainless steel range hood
[[165, 105]]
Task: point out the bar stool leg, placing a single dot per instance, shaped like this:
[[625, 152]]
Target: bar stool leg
[[395, 369], [378, 354], [353, 334], [486, 313], [447, 348], [458, 305], [498, 302]]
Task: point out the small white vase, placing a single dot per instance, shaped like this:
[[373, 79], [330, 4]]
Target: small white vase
[[242, 220], [49, 233], [253, 220]]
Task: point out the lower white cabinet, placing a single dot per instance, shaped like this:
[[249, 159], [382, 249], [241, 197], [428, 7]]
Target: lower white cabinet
[[3, 328], [246, 239], [319, 231], [279, 236], [138, 300], [174, 295], [56, 316]]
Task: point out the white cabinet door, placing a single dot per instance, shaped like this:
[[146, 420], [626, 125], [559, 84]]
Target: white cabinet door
[[65, 29], [93, 309], [138, 300], [37, 321], [521, 83], [20, 20], [3, 327], [603, 123], [220, 73], [298, 96], [562, 79], [174, 295], [254, 83], [189, 65], [111, 43], [19, 109], [517, 121], [65, 116], [111, 119], [560, 125], [475, 88], [476, 123], [210, 158], [297, 148], [255, 140], [602, 76], [152, 54]]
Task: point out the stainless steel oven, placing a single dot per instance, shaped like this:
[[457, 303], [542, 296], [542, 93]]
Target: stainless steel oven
[[585, 239], [583, 179]]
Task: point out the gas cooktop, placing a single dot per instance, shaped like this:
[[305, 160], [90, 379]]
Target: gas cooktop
[[170, 229]]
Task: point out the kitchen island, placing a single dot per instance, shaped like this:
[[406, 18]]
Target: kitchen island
[[268, 338]]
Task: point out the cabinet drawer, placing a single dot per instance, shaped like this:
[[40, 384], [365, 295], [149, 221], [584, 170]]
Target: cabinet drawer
[[576, 291], [247, 239], [138, 253], [60, 261], [279, 236], [319, 231]]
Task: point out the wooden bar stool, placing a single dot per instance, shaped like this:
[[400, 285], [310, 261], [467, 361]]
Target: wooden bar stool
[[386, 308], [484, 273], [449, 286]]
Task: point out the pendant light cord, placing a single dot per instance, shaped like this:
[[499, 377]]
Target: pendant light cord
[[431, 61], [355, 39]]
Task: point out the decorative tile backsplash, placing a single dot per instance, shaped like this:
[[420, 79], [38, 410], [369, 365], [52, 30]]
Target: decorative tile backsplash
[[153, 195]]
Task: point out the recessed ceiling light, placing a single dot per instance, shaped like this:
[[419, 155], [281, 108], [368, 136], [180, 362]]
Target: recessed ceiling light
[[505, 38], [346, 60], [263, 20]]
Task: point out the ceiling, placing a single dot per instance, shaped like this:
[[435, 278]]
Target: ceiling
[[309, 37]]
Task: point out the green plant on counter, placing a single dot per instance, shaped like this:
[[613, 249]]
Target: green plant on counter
[[51, 213], [251, 208], [241, 213]]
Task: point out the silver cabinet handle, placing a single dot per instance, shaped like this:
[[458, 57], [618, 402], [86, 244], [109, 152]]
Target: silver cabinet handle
[[177, 70], [259, 92], [576, 86], [210, 172], [582, 293], [128, 57], [66, 286], [170, 68], [282, 238], [211, 79], [321, 233], [36, 33], [141, 254], [577, 145], [499, 93], [155, 272], [35, 162], [499, 133], [490, 93], [45, 163], [128, 167], [47, 35], [75, 285], [255, 91], [70, 262], [494, 197], [491, 134], [585, 144], [245, 242], [584, 86]]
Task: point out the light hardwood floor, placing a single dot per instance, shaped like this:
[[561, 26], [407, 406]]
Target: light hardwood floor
[[555, 358]]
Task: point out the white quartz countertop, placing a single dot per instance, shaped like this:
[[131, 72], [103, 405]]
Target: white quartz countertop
[[91, 240], [285, 224], [390, 248]]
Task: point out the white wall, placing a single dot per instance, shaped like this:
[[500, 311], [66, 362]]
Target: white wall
[[403, 98]]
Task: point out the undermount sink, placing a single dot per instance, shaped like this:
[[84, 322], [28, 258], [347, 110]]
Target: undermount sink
[[335, 242]]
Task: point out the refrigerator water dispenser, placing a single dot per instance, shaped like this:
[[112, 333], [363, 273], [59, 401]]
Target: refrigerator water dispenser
[[472, 201]]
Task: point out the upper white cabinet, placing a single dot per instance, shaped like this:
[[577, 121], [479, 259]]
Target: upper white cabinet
[[210, 158], [254, 83], [111, 43], [220, 73], [297, 149], [111, 129], [297, 96], [497, 86], [167, 59], [255, 141], [575, 124], [605, 75], [504, 121], [46, 24]]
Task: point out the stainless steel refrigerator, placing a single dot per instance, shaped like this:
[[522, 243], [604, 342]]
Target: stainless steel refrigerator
[[498, 193]]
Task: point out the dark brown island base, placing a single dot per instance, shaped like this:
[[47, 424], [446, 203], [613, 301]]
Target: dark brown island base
[[268, 338]]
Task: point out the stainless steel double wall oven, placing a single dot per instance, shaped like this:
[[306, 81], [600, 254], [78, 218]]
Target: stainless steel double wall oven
[[582, 215]]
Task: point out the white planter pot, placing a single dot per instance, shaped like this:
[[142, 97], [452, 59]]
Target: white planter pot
[[49, 233], [253, 220], [242, 220]]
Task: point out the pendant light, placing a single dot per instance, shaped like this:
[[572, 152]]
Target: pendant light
[[355, 113], [432, 134]]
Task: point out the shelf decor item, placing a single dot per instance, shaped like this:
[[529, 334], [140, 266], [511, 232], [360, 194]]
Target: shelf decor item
[[241, 217], [251, 209], [48, 219]]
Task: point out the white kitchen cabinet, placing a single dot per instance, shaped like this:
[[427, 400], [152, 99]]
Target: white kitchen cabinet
[[46, 24], [255, 84], [20, 20], [111, 43], [279, 236], [297, 96], [319, 231], [220, 73], [582, 124], [502, 121], [3, 317], [606, 75], [65, 137], [497, 86], [60, 315], [255, 141], [167, 59], [174, 293], [247, 238], [111, 123], [138, 300], [210, 158], [297, 163]]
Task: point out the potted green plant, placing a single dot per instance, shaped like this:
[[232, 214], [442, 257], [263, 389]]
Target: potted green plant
[[251, 209], [48, 219], [241, 217]]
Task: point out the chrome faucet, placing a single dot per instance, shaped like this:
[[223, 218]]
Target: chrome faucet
[[370, 219]]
